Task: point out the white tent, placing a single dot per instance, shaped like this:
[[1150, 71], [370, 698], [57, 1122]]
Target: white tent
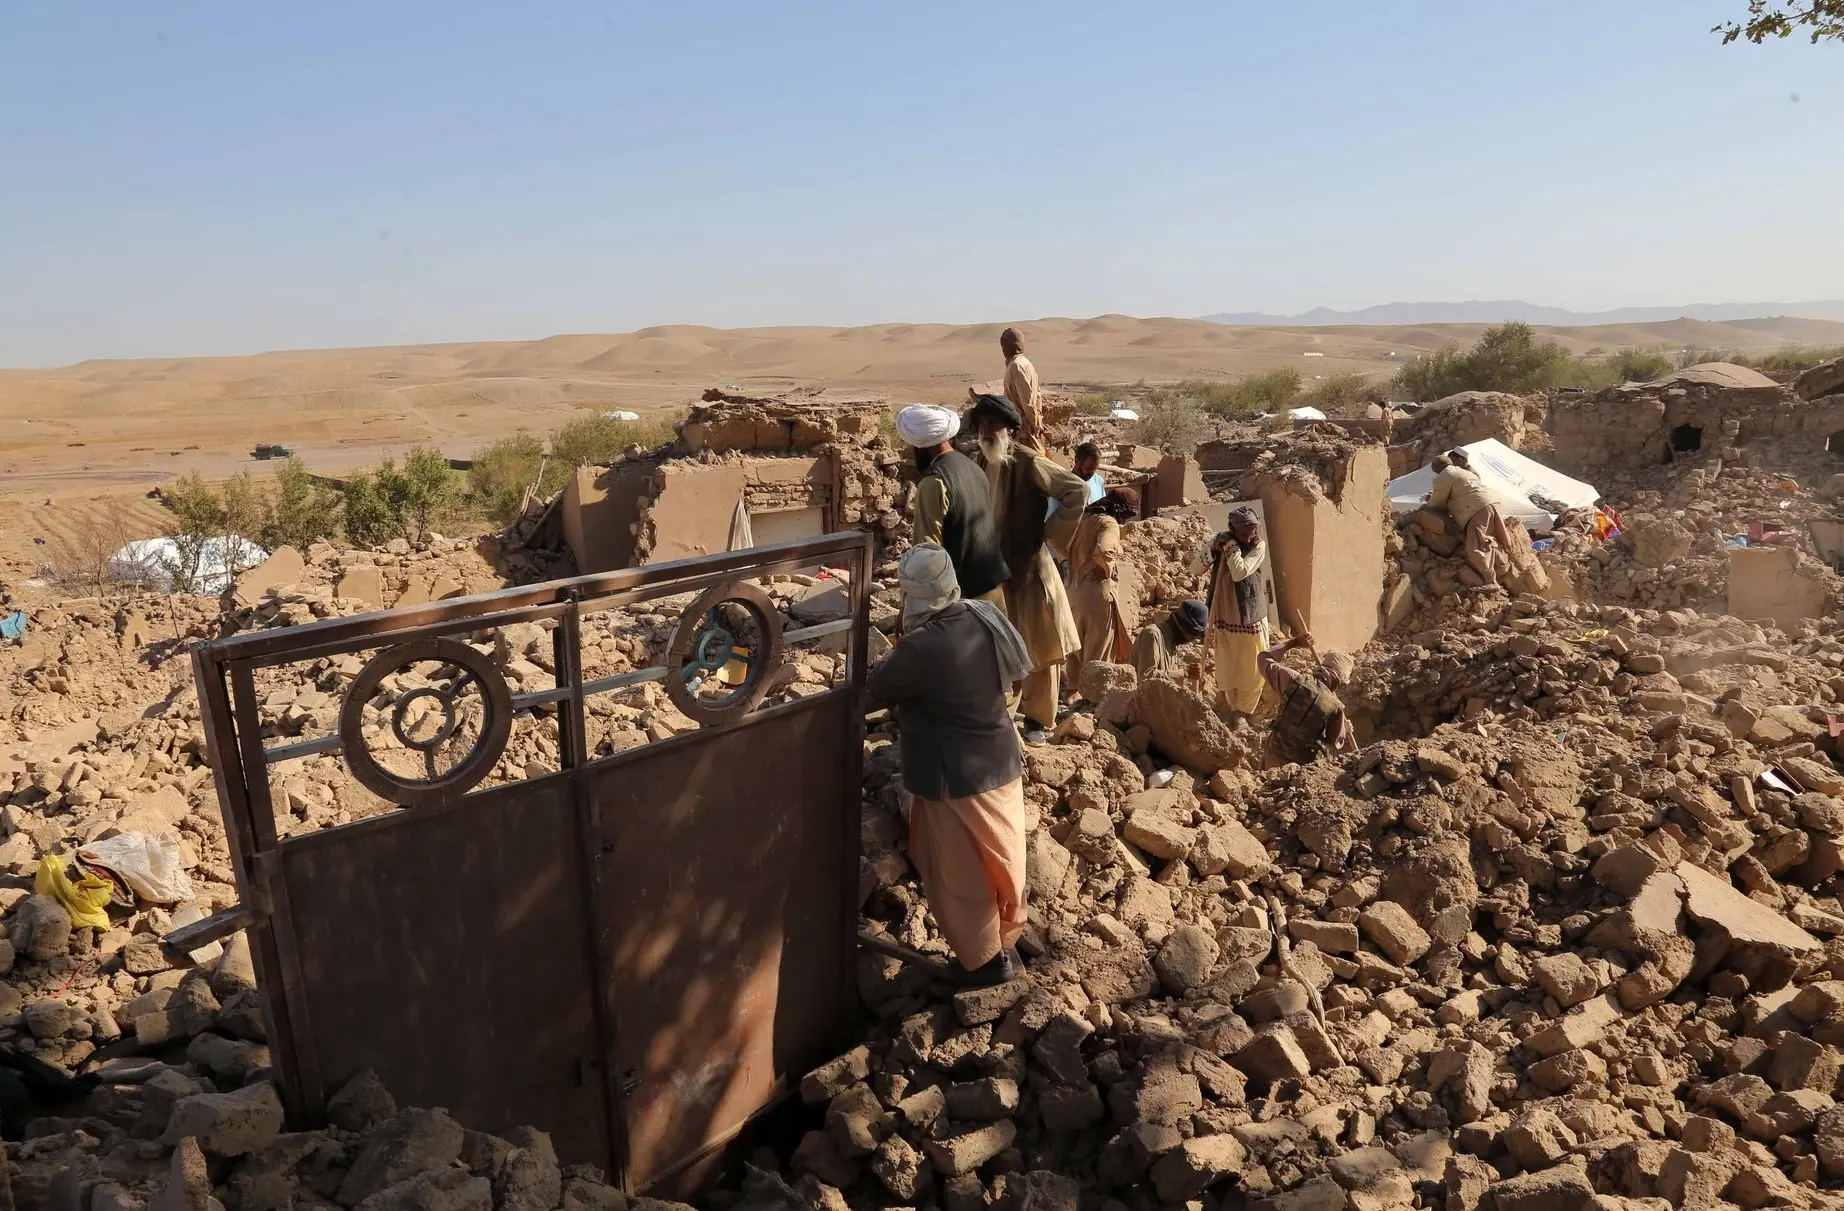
[[1308, 413], [151, 561], [1508, 476]]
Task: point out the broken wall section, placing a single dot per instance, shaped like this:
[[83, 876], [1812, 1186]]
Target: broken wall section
[[1460, 420], [1327, 547], [1712, 411], [801, 465]]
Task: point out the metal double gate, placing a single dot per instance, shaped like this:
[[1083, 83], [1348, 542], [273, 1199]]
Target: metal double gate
[[636, 953]]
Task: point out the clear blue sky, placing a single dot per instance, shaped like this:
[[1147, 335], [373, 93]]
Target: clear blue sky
[[221, 177]]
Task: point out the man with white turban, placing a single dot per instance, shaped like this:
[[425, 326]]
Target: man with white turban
[[946, 681], [953, 505]]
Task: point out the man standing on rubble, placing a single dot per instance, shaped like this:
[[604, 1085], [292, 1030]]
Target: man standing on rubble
[[946, 679], [1021, 389], [953, 503], [1311, 717], [1156, 649], [1238, 610], [1104, 589], [1458, 490], [1024, 484]]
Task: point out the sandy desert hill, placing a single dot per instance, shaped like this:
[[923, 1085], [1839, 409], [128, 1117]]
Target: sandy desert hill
[[113, 427]]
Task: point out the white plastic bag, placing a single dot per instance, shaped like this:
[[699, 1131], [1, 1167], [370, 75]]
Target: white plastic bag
[[150, 866]]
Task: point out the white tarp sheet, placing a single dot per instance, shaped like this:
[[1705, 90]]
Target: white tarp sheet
[[151, 561], [1308, 413], [1507, 475]]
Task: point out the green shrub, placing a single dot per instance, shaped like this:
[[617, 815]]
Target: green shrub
[[1638, 365], [504, 470], [593, 440], [1243, 397], [1795, 359], [1094, 403], [1342, 393], [1174, 425]]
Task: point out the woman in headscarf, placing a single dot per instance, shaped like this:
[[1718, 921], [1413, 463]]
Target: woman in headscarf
[[1103, 589], [1238, 611], [946, 679]]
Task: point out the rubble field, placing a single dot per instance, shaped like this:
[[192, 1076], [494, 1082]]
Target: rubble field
[[1563, 933]]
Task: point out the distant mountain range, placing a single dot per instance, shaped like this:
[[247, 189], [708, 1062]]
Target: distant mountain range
[[1476, 311]]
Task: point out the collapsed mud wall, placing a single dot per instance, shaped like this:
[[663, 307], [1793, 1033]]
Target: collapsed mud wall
[[1459, 420], [800, 466], [1327, 547], [1727, 411]]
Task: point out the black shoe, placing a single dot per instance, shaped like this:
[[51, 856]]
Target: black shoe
[[1002, 968]]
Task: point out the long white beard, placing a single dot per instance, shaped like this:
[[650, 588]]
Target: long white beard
[[998, 450]]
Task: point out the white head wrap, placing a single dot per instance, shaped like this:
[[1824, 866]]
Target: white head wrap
[[926, 575], [925, 426], [929, 585]]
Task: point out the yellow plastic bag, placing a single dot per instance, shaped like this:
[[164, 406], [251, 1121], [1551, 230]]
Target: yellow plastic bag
[[86, 898]]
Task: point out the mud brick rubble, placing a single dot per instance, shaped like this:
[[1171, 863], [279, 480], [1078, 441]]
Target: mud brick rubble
[[1564, 933]]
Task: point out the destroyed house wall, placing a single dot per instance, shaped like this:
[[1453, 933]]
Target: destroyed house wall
[[1645, 424], [727, 422], [601, 513], [1328, 552]]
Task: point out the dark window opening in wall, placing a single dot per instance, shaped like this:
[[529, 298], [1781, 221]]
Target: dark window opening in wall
[[1686, 438], [1835, 443]]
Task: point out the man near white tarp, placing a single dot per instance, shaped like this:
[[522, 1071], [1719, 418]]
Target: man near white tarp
[[1458, 490]]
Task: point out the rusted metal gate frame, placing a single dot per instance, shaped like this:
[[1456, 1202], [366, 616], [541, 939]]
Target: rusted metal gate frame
[[224, 673]]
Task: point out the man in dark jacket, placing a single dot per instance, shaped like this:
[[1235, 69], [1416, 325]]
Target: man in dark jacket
[[1311, 718], [953, 503], [1036, 506], [946, 679]]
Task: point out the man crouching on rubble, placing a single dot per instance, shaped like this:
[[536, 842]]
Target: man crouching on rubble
[[1311, 719], [946, 678]]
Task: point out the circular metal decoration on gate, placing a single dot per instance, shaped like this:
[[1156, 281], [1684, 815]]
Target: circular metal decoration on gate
[[726, 646], [452, 727]]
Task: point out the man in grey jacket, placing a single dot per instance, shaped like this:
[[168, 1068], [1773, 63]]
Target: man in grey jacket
[[946, 679]]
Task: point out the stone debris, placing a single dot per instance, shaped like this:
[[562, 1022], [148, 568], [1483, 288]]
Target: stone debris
[[1564, 932], [145, 1141]]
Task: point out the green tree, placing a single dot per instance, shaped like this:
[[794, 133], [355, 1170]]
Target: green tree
[[246, 509], [369, 519], [1506, 357], [302, 511], [427, 495], [198, 518], [1773, 19]]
